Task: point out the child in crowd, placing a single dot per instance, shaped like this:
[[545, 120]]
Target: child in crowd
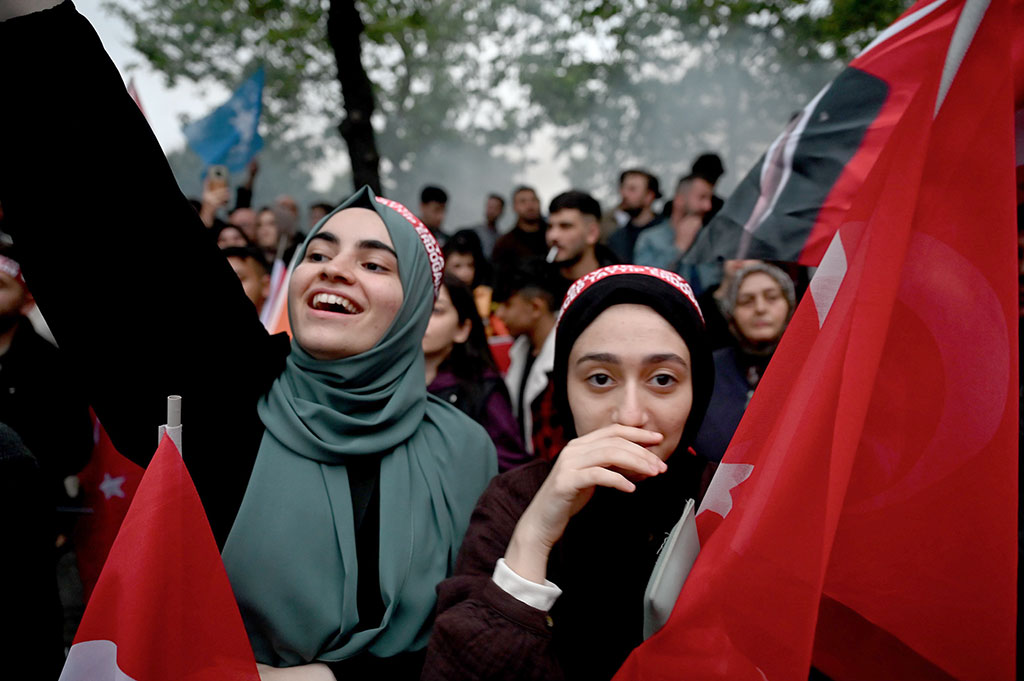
[[465, 259]]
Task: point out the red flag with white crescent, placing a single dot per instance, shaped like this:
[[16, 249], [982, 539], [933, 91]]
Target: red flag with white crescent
[[865, 514], [108, 486], [163, 609]]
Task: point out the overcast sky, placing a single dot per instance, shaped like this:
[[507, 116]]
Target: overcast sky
[[163, 105]]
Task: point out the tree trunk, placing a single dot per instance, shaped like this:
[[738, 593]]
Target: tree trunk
[[344, 31]]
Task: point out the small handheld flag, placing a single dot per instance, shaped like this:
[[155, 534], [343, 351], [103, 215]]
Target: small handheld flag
[[163, 609]]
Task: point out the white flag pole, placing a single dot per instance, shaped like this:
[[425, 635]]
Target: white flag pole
[[173, 426]]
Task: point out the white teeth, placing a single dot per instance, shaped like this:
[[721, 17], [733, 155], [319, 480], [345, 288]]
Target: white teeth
[[331, 299]]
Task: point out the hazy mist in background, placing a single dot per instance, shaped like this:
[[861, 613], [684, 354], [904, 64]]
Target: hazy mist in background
[[669, 120]]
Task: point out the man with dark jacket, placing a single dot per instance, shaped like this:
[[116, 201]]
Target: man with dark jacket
[[639, 190], [526, 239]]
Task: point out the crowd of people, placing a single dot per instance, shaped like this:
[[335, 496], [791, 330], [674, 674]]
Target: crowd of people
[[350, 472], [505, 282]]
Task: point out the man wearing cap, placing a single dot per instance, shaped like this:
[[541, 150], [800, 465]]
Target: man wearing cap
[[639, 190]]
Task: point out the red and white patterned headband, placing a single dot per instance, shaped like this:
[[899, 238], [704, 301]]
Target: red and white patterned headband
[[588, 280], [11, 268], [429, 242]]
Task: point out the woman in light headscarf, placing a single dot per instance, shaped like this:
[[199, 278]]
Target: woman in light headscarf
[[338, 488], [759, 303]]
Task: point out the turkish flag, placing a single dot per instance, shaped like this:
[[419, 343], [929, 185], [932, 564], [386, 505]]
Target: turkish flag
[[163, 609], [108, 485], [865, 514]]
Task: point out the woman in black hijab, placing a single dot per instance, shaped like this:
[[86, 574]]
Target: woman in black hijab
[[633, 376]]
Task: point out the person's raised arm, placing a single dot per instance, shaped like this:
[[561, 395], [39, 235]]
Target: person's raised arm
[[118, 261], [17, 8]]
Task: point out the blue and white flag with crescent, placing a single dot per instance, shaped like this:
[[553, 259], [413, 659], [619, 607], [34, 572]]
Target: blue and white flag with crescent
[[230, 136]]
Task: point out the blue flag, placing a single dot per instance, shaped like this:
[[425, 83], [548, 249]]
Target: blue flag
[[229, 136]]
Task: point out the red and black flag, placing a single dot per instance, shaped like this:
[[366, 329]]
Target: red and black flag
[[791, 203]]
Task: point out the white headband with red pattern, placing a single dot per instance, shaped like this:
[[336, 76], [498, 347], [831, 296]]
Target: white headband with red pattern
[[588, 280], [429, 242]]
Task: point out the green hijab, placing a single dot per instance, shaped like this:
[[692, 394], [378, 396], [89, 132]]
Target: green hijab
[[291, 553]]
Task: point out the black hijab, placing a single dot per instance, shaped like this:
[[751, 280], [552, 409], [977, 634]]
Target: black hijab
[[605, 557]]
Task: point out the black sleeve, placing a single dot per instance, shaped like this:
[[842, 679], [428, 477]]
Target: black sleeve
[[32, 615], [119, 262], [243, 197]]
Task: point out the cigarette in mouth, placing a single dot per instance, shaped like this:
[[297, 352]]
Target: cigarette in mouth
[[551, 254]]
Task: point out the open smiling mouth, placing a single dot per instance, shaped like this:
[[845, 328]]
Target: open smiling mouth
[[328, 302]]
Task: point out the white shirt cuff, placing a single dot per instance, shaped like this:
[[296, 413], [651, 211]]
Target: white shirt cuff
[[540, 596]]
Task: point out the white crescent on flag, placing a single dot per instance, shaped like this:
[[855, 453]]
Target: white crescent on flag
[[719, 495], [93, 661]]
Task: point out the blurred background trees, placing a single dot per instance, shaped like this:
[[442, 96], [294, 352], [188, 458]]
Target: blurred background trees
[[465, 93]]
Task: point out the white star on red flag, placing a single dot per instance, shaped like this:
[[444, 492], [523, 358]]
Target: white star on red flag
[[111, 487]]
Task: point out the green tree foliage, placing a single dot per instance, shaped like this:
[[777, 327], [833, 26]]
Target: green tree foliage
[[416, 53], [616, 82], [654, 83]]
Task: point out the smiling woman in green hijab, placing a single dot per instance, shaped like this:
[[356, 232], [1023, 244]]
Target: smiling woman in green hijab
[[352, 392], [337, 488]]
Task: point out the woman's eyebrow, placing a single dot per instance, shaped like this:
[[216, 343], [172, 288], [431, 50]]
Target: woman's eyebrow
[[373, 244], [324, 236], [665, 357], [605, 357]]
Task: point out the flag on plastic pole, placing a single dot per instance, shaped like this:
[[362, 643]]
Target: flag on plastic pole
[[108, 486], [865, 514], [163, 609], [230, 135], [172, 428]]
